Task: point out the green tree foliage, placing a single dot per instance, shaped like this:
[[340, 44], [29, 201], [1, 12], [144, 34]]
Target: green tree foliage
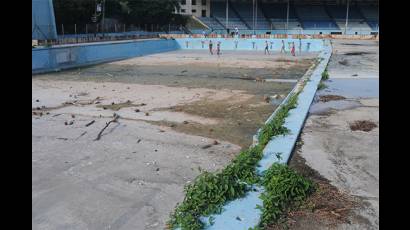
[[157, 12], [73, 11]]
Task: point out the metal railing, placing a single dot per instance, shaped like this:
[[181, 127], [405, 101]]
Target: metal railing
[[86, 33]]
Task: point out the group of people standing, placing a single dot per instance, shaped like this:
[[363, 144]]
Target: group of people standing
[[218, 48], [291, 45]]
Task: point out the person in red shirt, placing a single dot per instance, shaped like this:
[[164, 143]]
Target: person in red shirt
[[293, 49]]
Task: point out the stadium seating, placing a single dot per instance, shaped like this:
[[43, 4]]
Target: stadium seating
[[212, 23], [218, 10], [373, 24], [339, 12], [276, 13], [245, 11], [316, 16], [280, 24], [356, 21], [371, 14]]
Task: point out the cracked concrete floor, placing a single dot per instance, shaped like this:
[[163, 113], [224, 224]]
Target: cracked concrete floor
[[133, 177], [349, 159], [129, 179]]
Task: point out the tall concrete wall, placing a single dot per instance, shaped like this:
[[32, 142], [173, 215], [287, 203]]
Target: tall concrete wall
[[43, 25]]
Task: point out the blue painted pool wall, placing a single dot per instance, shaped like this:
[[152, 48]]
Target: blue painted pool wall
[[316, 45], [57, 58], [63, 57]]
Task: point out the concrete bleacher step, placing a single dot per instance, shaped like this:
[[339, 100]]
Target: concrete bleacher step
[[330, 16], [267, 19], [238, 15]]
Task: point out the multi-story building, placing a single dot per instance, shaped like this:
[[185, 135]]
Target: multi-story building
[[197, 8]]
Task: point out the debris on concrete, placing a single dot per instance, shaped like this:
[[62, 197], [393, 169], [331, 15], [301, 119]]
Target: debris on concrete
[[206, 146], [362, 125], [344, 62], [108, 123], [266, 99], [326, 98], [90, 123]]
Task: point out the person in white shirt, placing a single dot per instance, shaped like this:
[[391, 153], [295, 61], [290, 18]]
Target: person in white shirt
[[283, 47], [266, 47]]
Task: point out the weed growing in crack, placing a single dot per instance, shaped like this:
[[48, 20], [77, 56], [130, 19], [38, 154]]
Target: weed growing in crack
[[283, 187]]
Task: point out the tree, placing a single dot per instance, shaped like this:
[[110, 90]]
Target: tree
[[80, 12], [158, 12], [70, 12]]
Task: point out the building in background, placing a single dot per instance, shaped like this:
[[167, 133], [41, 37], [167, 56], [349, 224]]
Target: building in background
[[197, 8]]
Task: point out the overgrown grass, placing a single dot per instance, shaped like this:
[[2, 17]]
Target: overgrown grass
[[284, 188], [325, 75], [210, 191], [321, 86]]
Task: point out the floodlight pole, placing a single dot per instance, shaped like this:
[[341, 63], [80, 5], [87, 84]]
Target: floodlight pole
[[256, 14], [226, 20], [253, 16], [103, 19], [95, 20], [287, 17], [347, 16]]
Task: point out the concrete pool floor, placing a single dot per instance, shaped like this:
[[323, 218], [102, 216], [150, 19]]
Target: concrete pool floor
[[133, 177]]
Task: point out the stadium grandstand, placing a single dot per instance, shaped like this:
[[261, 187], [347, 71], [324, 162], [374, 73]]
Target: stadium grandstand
[[286, 16]]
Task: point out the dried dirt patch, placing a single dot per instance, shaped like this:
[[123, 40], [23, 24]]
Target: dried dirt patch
[[344, 62], [326, 98], [362, 125], [238, 119], [358, 53]]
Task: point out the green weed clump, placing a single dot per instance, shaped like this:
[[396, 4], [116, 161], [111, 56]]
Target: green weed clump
[[210, 191], [284, 188], [321, 86], [325, 75]]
